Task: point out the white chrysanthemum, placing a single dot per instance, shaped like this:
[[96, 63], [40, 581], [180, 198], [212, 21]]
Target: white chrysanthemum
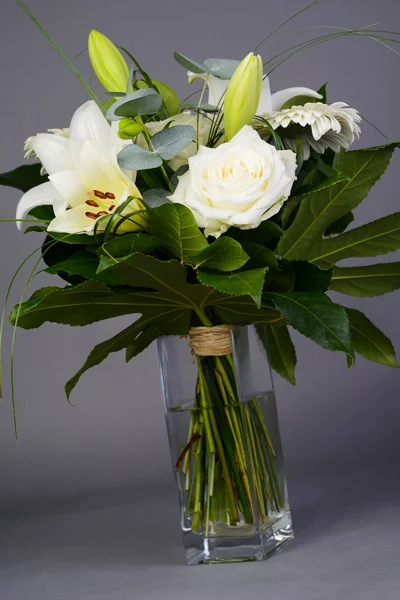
[[333, 126]]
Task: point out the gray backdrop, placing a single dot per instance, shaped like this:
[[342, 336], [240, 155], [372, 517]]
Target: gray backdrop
[[339, 427]]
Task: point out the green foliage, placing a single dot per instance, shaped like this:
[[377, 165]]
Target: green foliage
[[319, 209], [260, 256], [310, 278], [267, 232], [175, 226], [340, 225], [373, 239], [315, 315], [280, 349], [139, 103], [136, 158], [155, 197], [371, 280], [243, 283], [23, 178], [369, 341], [172, 140], [225, 254]]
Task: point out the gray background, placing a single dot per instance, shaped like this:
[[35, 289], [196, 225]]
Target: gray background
[[86, 494]]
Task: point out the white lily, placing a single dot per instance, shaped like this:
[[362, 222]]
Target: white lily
[[85, 181], [268, 102]]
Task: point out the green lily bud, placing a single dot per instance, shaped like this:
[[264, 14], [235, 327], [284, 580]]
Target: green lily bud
[[108, 63], [169, 97], [243, 95], [128, 129]]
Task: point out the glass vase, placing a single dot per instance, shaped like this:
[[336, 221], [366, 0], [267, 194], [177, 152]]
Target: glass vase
[[225, 448]]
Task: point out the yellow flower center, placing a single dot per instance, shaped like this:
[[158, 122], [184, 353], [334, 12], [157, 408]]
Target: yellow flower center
[[105, 201]]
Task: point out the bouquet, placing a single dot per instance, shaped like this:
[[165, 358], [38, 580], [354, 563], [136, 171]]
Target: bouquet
[[199, 216]]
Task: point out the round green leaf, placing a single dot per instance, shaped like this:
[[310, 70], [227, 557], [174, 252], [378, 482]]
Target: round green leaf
[[136, 158], [141, 102], [169, 142]]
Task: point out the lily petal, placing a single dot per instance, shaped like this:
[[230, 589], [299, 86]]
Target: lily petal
[[96, 170], [88, 123], [53, 151], [280, 98], [265, 104], [73, 220], [70, 187], [41, 195], [216, 87]]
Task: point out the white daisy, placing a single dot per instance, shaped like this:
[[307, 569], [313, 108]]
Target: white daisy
[[318, 126]]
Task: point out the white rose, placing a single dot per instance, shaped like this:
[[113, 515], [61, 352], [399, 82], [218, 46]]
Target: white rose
[[241, 183], [184, 118]]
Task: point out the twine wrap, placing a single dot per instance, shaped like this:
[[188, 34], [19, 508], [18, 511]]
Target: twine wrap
[[211, 341]]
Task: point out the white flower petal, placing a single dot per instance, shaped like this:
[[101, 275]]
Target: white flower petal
[[73, 220], [88, 123], [280, 98], [41, 195], [70, 187], [53, 151], [96, 170]]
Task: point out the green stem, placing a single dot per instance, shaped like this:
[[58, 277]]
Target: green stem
[[151, 147]]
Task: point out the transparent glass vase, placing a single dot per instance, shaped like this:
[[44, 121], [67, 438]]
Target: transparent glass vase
[[226, 449]]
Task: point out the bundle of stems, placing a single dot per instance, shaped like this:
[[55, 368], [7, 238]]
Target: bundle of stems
[[228, 461]]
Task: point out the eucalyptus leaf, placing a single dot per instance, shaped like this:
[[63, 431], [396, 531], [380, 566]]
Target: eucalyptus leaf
[[189, 64], [136, 158], [223, 68], [369, 341], [169, 142], [371, 280], [317, 317], [204, 106], [243, 283], [155, 197], [141, 102], [225, 254]]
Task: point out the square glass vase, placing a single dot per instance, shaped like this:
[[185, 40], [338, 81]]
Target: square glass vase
[[226, 450]]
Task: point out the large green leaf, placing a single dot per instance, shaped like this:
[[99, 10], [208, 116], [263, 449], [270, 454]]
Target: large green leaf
[[175, 226], [124, 245], [371, 280], [84, 304], [225, 254], [244, 283], [373, 239], [317, 317], [369, 341], [136, 338], [310, 278], [318, 210], [23, 178], [243, 311], [281, 351]]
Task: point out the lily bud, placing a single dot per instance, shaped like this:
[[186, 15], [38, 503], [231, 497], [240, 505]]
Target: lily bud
[[108, 63], [243, 95], [128, 129]]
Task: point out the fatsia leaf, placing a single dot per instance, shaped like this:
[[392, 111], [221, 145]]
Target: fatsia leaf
[[243, 311], [172, 140], [124, 245], [369, 341], [243, 283], [225, 254], [265, 233], [310, 278], [319, 209], [371, 280], [84, 304], [137, 337], [280, 349], [23, 178], [260, 256], [175, 226], [373, 239], [340, 225], [317, 317]]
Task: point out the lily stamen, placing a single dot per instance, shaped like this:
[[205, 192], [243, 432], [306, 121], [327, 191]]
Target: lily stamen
[[92, 203], [99, 194], [91, 215]]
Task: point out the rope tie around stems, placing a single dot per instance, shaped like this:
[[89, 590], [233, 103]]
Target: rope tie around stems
[[211, 341]]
